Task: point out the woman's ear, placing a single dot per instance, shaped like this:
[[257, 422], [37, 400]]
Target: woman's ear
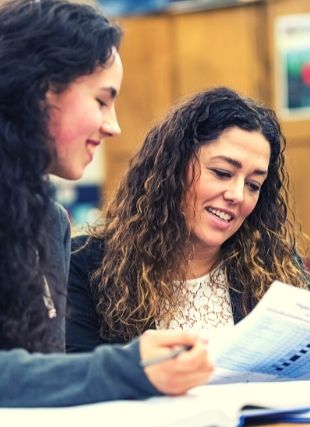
[[51, 96]]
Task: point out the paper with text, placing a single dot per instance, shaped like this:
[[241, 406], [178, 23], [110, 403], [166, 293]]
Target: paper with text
[[272, 343]]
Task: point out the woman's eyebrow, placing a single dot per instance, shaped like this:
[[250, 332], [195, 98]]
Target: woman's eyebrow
[[112, 92], [238, 165]]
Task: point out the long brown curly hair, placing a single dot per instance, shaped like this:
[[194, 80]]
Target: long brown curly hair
[[145, 232]]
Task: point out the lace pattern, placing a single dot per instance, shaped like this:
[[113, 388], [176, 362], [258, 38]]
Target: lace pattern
[[206, 306]]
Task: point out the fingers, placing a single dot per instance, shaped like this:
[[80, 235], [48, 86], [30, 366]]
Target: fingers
[[172, 378], [180, 385], [175, 376], [171, 338], [195, 358]]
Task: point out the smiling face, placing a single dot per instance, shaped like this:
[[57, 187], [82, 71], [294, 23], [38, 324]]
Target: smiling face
[[82, 116], [225, 188]]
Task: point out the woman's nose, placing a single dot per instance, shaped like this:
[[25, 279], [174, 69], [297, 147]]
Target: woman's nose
[[235, 193], [110, 128]]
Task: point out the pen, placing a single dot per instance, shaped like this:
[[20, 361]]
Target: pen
[[171, 355]]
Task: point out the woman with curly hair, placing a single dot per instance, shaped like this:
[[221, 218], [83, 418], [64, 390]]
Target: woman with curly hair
[[198, 230], [60, 73]]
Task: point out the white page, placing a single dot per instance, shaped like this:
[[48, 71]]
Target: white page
[[210, 405], [182, 411], [271, 343]]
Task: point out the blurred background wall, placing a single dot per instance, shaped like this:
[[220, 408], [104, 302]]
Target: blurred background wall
[[174, 48], [260, 48]]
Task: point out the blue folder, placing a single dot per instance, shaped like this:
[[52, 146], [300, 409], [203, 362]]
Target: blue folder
[[258, 415]]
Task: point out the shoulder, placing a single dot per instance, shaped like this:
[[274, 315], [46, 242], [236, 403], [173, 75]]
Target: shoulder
[[58, 220], [58, 212]]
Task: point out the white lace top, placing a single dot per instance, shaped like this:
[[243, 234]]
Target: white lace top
[[206, 307]]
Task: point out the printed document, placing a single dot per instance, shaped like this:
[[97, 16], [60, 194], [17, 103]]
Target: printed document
[[272, 343]]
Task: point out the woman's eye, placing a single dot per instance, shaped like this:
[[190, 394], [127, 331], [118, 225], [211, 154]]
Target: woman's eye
[[100, 102], [254, 187], [222, 173]]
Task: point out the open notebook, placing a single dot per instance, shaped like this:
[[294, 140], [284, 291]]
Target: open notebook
[[211, 405]]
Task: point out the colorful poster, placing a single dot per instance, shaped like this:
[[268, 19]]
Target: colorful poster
[[292, 77]]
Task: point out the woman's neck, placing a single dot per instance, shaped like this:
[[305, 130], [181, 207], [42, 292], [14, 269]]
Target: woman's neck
[[201, 263]]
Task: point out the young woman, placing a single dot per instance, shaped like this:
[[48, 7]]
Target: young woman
[[197, 231], [60, 73]]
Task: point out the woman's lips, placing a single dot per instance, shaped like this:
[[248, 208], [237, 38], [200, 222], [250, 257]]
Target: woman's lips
[[91, 144]]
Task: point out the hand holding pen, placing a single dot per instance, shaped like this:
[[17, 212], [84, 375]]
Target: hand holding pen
[[164, 357], [174, 361]]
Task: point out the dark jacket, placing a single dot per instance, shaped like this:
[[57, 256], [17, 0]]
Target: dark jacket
[[82, 330]]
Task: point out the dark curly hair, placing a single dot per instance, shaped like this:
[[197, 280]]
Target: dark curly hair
[[43, 44], [146, 233]]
